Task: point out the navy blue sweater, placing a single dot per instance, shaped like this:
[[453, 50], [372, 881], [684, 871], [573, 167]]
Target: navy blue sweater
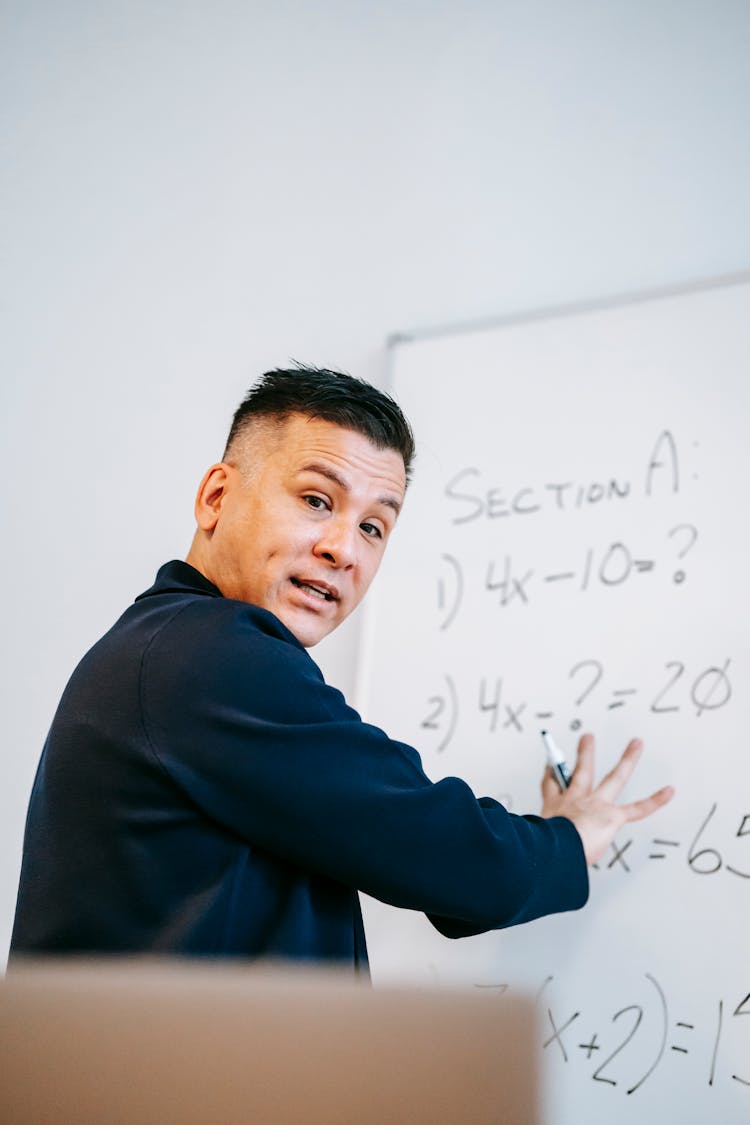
[[203, 791]]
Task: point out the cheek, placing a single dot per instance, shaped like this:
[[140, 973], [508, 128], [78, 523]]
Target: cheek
[[368, 571]]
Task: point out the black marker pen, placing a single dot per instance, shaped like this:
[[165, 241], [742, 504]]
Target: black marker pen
[[556, 760]]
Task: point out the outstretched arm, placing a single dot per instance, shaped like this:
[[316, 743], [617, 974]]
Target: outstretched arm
[[594, 809]]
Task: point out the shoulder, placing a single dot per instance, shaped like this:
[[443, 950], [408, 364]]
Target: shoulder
[[218, 623], [240, 654]]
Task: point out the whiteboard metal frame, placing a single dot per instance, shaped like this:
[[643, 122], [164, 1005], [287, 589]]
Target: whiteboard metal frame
[[551, 312]]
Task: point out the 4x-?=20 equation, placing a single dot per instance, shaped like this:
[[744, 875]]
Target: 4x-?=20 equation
[[677, 689]]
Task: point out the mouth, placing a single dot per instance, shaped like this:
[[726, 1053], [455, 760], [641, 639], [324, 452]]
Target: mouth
[[319, 590]]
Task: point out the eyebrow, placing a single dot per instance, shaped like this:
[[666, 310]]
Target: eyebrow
[[331, 474]]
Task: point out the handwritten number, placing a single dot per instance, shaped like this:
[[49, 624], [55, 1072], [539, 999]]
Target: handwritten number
[[680, 669], [693, 857], [597, 1075], [430, 723]]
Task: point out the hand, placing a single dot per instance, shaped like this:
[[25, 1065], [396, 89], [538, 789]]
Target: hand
[[593, 810]]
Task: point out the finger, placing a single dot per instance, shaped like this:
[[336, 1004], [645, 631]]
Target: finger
[[551, 794], [550, 787], [582, 780], [637, 810], [615, 781]]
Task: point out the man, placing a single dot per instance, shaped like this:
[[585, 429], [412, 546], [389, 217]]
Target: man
[[202, 790]]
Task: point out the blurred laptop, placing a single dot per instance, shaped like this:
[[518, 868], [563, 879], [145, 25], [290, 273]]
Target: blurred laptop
[[142, 1043]]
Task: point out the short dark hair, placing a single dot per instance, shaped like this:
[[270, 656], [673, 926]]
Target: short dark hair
[[332, 396]]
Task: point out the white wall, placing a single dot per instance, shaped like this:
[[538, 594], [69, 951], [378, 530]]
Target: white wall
[[195, 192]]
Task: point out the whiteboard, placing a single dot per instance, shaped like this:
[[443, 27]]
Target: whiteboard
[[573, 555]]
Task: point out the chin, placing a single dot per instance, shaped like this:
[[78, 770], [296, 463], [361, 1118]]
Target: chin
[[309, 640], [308, 633]]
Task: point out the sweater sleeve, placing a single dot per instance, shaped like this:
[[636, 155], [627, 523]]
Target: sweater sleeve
[[240, 718]]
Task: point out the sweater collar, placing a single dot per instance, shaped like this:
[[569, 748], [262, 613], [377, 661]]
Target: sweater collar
[[180, 577]]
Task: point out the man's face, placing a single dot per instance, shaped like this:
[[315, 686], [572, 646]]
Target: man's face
[[304, 536]]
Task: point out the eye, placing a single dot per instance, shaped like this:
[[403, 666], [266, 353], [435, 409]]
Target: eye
[[317, 503], [371, 530]]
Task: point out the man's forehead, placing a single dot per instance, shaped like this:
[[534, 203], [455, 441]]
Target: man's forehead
[[310, 444]]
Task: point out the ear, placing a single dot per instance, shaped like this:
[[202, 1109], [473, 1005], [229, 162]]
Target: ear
[[212, 492]]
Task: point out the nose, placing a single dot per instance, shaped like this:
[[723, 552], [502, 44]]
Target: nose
[[337, 543]]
